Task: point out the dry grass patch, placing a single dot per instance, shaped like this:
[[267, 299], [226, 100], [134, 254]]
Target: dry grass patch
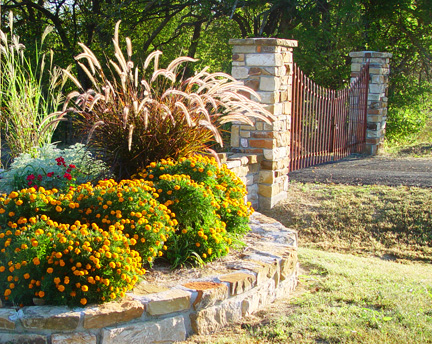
[[392, 222]]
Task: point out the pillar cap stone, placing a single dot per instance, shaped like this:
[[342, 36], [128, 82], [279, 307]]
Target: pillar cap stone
[[264, 41], [370, 54]]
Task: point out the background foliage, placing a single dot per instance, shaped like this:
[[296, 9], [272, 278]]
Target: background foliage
[[327, 30]]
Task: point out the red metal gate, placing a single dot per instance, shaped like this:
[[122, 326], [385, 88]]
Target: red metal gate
[[327, 125]]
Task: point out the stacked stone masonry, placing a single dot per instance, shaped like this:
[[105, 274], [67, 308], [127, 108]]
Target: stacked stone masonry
[[265, 65], [379, 70], [267, 270]]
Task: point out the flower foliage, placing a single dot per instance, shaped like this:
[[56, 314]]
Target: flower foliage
[[137, 116], [208, 201], [51, 167], [83, 246]]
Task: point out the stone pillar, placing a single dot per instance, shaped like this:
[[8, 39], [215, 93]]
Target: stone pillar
[[265, 65], [379, 70]]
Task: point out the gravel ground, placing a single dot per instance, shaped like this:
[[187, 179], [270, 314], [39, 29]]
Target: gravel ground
[[358, 170]]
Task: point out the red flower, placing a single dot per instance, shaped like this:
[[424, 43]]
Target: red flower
[[50, 174], [30, 177], [72, 166], [39, 177], [60, 161], [29, 183], [67, 176]]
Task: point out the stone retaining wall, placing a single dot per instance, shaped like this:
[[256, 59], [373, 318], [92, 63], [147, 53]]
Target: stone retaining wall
[[267, 270]]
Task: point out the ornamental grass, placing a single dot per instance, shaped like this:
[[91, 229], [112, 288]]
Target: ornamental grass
[[138, 114], [30, 93]]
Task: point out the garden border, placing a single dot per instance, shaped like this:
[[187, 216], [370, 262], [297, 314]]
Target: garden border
[[268, 269]]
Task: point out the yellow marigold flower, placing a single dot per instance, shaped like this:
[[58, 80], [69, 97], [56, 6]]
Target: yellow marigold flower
[[11, 213], [50, 270], [57, 280], [7, 292], [41, 294], [13, 194], [83, 301], [61, 288], [84, 288], [26, 276], [19, 202], [58, 209], [197, 244], [36, 261]]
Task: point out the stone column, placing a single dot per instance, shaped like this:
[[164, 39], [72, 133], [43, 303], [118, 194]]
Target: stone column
[[265, 65], [379, 70]]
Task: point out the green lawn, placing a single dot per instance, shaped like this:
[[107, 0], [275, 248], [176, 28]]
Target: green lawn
[[367, 278]]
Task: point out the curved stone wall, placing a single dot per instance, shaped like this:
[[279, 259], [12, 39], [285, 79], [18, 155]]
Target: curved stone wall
[[266, 270]]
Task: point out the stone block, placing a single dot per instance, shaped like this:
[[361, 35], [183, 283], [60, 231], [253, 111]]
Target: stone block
[[267, 267], [262, 135], [174, 300], [264, 60], [5, 318], [238, 57], [73, 338], [268, 83], [239, 282], [289, 43], [235, 136], [381, 71], [268, 97], [245, 134], [161, 331], [244, 143], [266, 177], [50, 317], [209, 293], [244, 49], [269, 190], [240, 72], [253, 84], [270, 202], [211, 319], [111, 313], [264, 143], [259, 125], [356, 67], [238, 63], [377, 88], [21, 338]]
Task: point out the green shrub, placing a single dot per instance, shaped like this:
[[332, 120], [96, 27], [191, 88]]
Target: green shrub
[[209, 205], [227, 189], [125, 217], [136, 119], [201, 236], [51, 167]]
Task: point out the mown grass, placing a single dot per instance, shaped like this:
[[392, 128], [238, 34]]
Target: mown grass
[[367, 278], [395, 222]]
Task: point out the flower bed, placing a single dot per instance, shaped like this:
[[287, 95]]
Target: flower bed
[[264, 270]]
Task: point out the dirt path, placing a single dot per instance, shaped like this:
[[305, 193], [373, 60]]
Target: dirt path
[[357, 170]]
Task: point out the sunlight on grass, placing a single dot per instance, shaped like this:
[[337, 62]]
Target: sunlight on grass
[[348, 299]]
